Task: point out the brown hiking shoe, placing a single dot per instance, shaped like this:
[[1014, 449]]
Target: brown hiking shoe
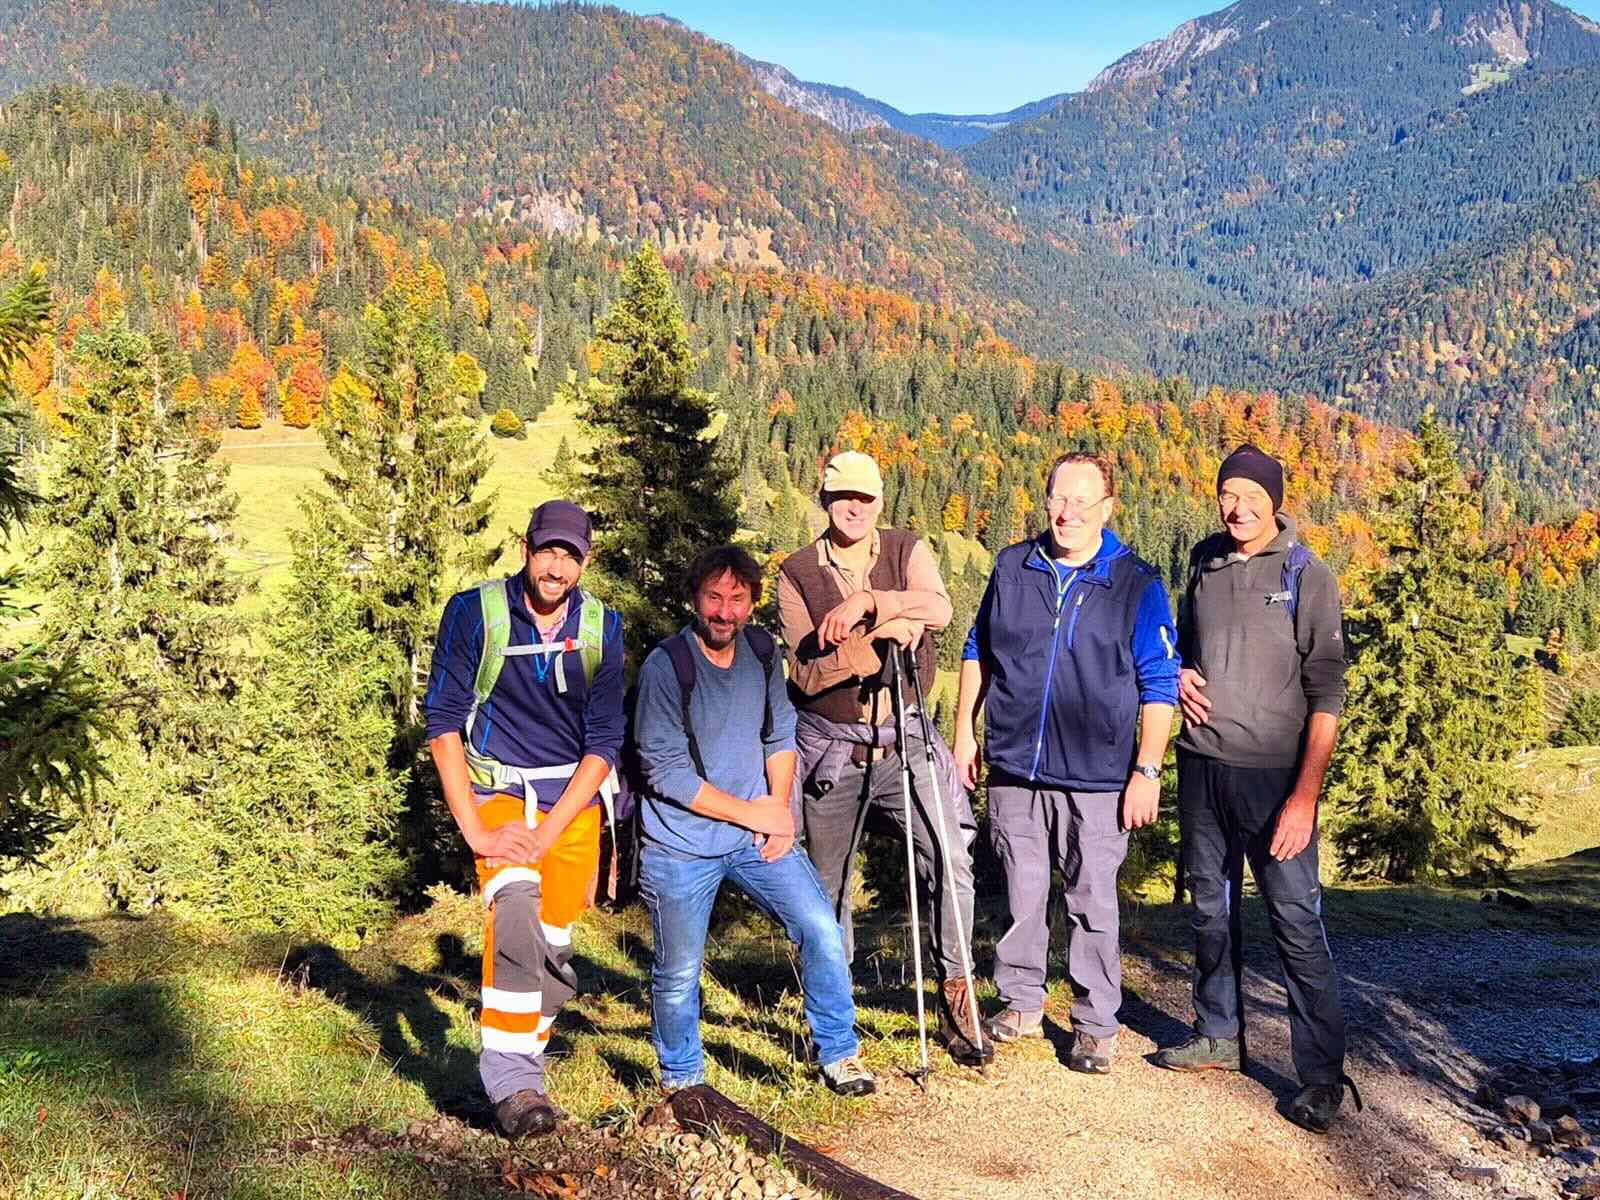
[[525, 1114], [1092, 1055], [965, 1041], [1013, 1025]]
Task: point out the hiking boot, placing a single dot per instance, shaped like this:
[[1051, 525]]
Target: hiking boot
[[965, 1042], [525, 1114], [1012, 1025], [1316, 1106], [1092, 1055], [849, 1077], [1201, 1053]]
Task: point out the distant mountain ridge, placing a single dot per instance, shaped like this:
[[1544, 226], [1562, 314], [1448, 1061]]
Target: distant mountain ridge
[[849, 110]]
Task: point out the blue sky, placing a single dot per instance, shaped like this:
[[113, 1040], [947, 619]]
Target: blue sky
[[951, 56]]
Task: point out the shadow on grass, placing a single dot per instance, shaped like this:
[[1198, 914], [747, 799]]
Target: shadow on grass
[[406, 1001], [82, 1059]]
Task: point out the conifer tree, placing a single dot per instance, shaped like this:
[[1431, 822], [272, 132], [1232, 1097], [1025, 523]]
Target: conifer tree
[[51, 711], [305, 827], [134, 563], [408, 463], [1420, 785], [652, 480]]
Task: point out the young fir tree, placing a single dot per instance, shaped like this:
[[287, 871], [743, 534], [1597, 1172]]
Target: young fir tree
[[652, 479], [133, 564], [407, 466], [1420, 786], [309, 818], [51, 711]]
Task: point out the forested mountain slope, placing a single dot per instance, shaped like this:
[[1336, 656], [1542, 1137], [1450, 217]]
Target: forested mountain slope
[[579, 118], [1501, 335], [1276, 149]]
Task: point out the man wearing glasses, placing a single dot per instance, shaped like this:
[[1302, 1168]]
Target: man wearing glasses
[[1074, 651]]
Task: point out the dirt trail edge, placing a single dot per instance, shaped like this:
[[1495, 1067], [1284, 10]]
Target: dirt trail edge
[[1431, 1015]]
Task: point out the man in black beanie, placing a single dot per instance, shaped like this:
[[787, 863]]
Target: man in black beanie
[[1261, 689]]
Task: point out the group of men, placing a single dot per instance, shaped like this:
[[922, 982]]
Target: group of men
[[769, 778]]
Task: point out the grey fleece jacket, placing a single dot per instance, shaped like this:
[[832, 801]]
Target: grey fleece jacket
[[1265, 674]]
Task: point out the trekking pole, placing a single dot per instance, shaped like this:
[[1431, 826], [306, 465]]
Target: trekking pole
[[944, 844], [919, 1076]]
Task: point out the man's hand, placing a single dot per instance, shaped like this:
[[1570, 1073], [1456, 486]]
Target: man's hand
[[1297, 823], [1192, 696], [834, 628], [775, 847], [769, 815], [512, 842], [902, 631], [966, 753], [1141, 800]]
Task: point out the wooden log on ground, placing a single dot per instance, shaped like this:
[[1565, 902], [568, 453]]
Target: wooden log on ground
[[702, 1108]]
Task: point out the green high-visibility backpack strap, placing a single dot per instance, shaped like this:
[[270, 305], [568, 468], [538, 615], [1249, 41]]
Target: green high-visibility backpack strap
[[591, 635], [496, 637]]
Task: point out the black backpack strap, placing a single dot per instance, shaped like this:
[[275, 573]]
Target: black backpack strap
[[766, 648], [682, 656]]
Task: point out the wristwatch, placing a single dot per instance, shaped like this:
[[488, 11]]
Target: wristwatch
[[1148, 772]]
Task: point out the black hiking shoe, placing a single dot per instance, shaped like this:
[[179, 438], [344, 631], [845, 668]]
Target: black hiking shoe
[[966, 1043], [1092, 1055], [526, 1114], [1316, 1106], [1201, 1053]]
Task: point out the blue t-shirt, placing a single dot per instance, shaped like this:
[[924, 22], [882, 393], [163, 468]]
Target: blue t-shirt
[[727, 710]]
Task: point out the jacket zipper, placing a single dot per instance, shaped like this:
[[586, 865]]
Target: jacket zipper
[[1050, 669], [1072, 626]]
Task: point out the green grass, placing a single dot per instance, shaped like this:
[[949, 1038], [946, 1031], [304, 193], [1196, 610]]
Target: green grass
[[273, 467]]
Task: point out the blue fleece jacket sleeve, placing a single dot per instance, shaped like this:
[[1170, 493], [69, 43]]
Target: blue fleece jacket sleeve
[[977, 647], [602, 715], [658, 725], [1155, 647], [455, 666]]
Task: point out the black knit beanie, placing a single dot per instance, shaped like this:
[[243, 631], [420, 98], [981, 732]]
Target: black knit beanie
[[1257, 466]]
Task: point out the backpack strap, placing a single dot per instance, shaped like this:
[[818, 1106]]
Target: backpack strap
[[496, 637], [1295, 561], [591, 634], [682, 653]]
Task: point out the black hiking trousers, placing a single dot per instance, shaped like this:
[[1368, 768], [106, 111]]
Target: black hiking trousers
[[1227, 816]]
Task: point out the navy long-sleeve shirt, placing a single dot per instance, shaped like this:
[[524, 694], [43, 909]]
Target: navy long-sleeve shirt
[[526, 722]]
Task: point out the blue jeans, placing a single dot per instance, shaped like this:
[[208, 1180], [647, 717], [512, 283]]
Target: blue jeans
[[680, 891]]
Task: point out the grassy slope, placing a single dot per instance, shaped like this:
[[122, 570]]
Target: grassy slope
[[271, 467]]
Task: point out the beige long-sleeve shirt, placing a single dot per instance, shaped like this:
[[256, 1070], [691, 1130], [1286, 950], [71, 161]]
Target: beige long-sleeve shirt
[[924, 601]]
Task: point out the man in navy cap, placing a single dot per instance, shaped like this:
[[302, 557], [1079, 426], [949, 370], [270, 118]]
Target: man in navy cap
[[525, 723], [1262, 685]]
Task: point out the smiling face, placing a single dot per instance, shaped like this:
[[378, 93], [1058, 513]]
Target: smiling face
[[1078, 508], [1247, 513], [852, 515], [551, 572], [722, 607]]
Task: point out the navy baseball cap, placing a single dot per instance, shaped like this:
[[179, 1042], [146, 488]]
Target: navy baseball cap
[[560, 521]]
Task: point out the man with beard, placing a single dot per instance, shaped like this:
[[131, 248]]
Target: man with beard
[[849, 600], [1075, 651], [716, 736], [1262, 687], [525, 722]]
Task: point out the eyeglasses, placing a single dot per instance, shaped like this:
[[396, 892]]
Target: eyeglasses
[[1072, 503], [551, 554]]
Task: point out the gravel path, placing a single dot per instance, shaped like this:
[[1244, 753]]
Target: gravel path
[[1430, 1016]]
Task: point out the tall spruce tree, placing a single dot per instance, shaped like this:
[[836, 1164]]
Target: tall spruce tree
[[408, 463], [1420, 786], [133, 561], [652, 479], [306, 830], [51, 711]]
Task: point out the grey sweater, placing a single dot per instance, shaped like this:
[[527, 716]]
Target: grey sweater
[[1265, 674]]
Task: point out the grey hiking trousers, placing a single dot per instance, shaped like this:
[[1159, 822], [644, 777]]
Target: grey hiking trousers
[[1036, 829]]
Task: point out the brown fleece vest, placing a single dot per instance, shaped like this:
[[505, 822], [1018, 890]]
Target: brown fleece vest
[[845, 701]]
